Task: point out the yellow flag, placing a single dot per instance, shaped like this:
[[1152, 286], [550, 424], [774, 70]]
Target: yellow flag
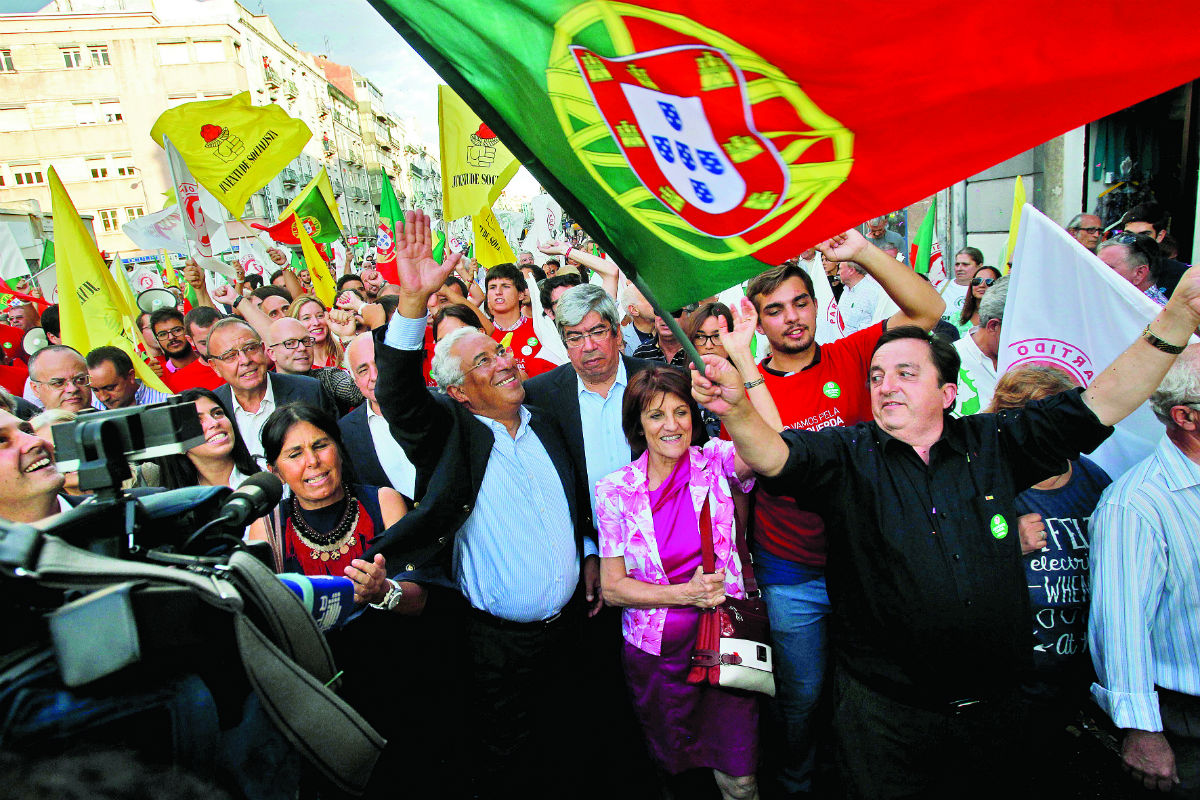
[[233, 148], [1011, 244], [172, 278], [322, 281], [491, 248], [98, 313], [475, 166]]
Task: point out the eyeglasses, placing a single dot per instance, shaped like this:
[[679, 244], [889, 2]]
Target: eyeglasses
[[250, 349], [292, 344], [485, 361], [706, 339], [171, 334], [984, 281], [575, 339], [58, 383], [1093, 231]]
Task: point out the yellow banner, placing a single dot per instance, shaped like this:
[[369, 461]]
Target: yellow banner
[[475, 166], [1011, 244], [99, 313], [322, 281], [491, 248], [233, 148]]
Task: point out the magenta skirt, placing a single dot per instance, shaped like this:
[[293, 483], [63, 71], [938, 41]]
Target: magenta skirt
[[689, 725]]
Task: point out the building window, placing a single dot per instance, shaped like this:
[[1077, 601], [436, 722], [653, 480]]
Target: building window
[[172, 53], [85, 114], [99, 172], [108, 219], [127, 172], [6, 64], [72, 57], [28, 177], [99, 55], [133, 213], [110, 110]]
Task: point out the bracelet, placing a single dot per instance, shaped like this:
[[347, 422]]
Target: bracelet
[[1161, 344], [237, 300], [568, 253], [758, 382]]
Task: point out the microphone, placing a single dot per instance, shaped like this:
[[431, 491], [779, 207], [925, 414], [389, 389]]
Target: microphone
[[328, 598], [255, 497]]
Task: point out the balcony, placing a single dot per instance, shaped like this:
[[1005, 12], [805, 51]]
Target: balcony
[[290, 90], [289, 176], [274, 81]]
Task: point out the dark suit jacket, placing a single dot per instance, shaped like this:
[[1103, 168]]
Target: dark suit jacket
[[450, 450], [356, 436], [557, 391], [288, 389]]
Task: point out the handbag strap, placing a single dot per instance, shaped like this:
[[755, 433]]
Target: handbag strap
[[708, 556]]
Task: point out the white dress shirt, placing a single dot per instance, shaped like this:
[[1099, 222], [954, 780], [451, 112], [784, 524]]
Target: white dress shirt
[[250, 423], [395, 463], [857, 304]]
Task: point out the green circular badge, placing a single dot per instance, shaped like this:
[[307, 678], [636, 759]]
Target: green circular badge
[[832, 390], [532, 341], [999, 526]]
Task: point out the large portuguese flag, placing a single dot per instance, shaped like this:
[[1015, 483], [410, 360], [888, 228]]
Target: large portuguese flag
[[699, 142]]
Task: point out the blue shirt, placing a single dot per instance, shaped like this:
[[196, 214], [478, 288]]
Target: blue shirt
[[604, 445], [1144, 629], [515, 556]]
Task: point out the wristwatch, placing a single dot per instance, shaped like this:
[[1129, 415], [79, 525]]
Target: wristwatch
[[391, 597], [1162, 344]]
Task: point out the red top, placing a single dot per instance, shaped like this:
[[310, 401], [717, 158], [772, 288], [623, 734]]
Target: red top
[[195, 375], [429, 344], [525, 346], [832, 390]]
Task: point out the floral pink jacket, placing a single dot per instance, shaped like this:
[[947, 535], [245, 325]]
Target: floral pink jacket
[[626, 526]]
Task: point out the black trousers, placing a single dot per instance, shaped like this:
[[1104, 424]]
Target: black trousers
[[527, 706], [884, 748], [1181, 724]]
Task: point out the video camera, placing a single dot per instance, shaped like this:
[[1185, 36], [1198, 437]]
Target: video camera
[[138, 588]]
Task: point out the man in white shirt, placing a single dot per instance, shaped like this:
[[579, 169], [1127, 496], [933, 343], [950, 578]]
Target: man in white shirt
[[859, 298], [378, 458], [979, 351]]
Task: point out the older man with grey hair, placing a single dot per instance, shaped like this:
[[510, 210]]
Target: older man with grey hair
[[979, 351], [502, 509], [1136, 258], [879, 235], [1144, 629], [1087, 230]]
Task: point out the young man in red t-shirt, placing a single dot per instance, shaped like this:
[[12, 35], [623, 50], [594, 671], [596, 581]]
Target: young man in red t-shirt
[[504, 284], [813, 386]]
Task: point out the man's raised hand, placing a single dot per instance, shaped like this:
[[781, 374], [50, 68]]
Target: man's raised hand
[[420, 275], [845, 246], [720, 387]]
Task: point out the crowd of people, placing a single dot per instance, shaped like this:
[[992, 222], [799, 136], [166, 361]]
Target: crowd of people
[[519, 469]]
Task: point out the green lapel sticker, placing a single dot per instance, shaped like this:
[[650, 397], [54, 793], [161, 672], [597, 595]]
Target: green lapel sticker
[[999, 526], [832, 390]]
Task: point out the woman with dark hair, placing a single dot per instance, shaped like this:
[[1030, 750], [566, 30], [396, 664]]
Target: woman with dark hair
[[981, 281], [324, 522], [222, 460], [648, 515], [704, 328], [453, 316]]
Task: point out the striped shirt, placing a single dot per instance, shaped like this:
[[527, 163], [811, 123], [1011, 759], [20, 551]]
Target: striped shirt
[[1144, 629], [515, 557], [144, 395]]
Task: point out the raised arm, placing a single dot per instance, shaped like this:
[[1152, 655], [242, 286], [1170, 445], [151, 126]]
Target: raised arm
[[737, 345], [195, 277], [245, 308], [603, 267], [291, 281], [919, 302], [720, 390], [1136, 373]]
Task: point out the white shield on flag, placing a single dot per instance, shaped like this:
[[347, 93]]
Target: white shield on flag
[[685, 150]]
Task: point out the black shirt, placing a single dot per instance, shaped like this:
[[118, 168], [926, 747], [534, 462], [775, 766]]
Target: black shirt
[[650, 351], [924, 569]]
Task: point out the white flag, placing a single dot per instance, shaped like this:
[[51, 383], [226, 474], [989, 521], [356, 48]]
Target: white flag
[[197, 207], [1067, 309], [829, 319], [143, 277], [545, 228], [47, 281], [12, 261], [254, 258]]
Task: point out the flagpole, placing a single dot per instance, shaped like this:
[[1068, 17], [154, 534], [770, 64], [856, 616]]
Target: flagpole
[[672, 323]]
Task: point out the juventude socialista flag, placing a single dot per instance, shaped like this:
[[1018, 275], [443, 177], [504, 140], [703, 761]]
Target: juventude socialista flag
[[475, 165], [233, 148], [1069, 310], [699, 143], [95, 310]]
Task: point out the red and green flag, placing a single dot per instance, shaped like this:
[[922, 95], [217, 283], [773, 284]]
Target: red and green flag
[[700, 142], [315, 208], [391, 216]]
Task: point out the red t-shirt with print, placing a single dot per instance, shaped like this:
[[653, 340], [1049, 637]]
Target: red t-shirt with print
[[832, 390], [196, 375], [525, 345]]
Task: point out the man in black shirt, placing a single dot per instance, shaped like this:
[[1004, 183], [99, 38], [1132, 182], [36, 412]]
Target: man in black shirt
[[930, 609]]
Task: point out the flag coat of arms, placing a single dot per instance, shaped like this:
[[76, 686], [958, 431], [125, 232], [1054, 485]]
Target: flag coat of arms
[[232, 147], [700, 143]]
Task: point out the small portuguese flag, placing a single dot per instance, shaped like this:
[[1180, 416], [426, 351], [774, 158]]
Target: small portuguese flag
[[316, 208], [391, 216], [700, 142]]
